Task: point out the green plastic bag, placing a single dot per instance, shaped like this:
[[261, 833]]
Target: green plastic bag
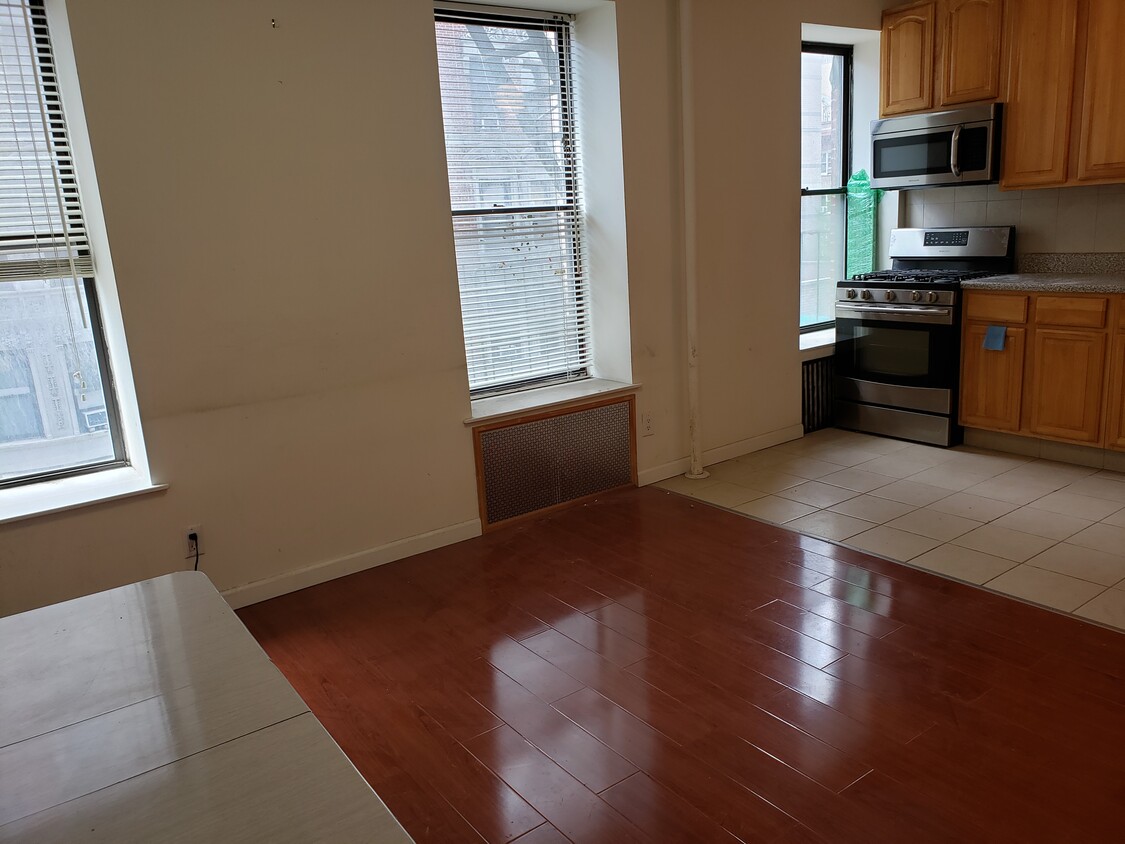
[[863, 202]]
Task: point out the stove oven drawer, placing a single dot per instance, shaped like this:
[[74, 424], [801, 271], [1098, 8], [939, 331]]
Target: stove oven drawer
[[996, 307]]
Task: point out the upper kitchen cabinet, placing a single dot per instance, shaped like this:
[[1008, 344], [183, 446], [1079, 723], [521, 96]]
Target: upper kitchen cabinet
[[944, 53], [968, 51], [1065, 120], [907, 59]]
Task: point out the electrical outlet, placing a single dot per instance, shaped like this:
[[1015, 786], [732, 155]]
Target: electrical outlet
[[646, 424], [192, 545]]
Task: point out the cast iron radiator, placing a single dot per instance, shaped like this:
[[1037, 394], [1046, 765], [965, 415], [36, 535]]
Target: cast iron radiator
[[816, 393]]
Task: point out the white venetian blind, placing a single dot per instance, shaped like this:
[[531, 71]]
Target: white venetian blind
[[515, 186], [42, 233]]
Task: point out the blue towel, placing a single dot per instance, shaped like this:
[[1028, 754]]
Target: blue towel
[[994, 338]]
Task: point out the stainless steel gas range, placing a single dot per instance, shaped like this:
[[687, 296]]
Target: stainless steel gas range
[[898, 332]]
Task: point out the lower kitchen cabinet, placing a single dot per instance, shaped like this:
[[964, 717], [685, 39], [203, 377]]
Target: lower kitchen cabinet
[[1115, 401], [1067, 371], [992, 381]]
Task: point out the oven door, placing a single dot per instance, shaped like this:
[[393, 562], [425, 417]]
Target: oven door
[[899, 346]]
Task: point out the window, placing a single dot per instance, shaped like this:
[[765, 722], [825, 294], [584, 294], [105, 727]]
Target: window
[[515, 185], [826, 72], [58, 415]]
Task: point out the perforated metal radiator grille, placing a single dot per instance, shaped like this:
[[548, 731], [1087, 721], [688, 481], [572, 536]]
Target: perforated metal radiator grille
[[816, 393], [529, 466]]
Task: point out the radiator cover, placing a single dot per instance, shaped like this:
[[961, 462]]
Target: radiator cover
[[534, 463], [817, 393]]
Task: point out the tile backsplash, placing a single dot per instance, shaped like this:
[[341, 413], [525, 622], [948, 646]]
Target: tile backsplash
[[1076, 219]]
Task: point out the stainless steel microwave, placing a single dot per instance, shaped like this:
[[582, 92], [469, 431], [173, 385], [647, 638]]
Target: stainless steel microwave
[[959, 147]]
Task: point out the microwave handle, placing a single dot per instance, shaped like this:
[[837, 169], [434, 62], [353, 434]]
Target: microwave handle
[[955, 152]]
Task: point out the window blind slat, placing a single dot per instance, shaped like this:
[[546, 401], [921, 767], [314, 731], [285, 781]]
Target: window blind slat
[[511, 142]]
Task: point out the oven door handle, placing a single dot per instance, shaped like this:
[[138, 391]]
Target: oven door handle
[[886, 313]]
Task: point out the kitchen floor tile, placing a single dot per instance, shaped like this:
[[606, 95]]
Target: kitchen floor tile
[[1100, 487], [1108, 608], [980, 461], [1082, 506], [950, 477], [857, 480], [767, 480], [828, 525], [1004, 542], [898, 465], [1049, 470], [1042, 523], [872, 509], [844, 455], [963, 563], [817, 494], [1014, 490], [1084, 563], [971, 506], [763, 459], [934, 524], [892, 543], [909, 492], [1045, 587], [1117, 519], [727, 495], [805, 467], [687, 486], [1101, 537], [776, 510]]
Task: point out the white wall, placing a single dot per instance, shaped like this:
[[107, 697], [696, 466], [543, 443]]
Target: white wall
[[276, 204]]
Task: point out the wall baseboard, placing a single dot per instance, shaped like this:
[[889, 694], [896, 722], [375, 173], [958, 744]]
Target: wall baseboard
[[291, 581], [718, 455]]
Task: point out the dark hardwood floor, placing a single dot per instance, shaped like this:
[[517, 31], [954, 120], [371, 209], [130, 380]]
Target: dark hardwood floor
[[647, 667]]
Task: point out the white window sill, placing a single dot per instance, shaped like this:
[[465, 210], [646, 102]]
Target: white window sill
[[25, 502], [818, 344], [512, 405]]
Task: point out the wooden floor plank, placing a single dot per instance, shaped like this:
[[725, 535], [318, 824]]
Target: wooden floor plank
[[649, 668]]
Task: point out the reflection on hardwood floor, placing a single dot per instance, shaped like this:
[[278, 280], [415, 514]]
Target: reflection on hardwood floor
[[649, 668]]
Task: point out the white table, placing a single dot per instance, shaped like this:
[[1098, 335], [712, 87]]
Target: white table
[[149, 713]]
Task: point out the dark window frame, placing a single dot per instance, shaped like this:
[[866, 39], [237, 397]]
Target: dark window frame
[[845, 51]]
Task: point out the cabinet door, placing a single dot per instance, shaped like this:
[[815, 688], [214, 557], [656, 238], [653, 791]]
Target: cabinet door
[[907, 60], [1115, 431], [1101, 142], [1068, 368], [991, 382], [969, 35], [1041, 39]]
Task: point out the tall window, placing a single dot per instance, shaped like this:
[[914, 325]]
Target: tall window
[[826, 107], [515, 185], [57, 410]]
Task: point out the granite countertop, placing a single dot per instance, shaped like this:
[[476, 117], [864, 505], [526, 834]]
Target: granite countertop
[[1051, 282]]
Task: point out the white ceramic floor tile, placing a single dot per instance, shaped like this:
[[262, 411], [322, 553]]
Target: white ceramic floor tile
[[829, 525], [1045, 587], [1082, 506], [950, 477], [762, 459], [932, 455], [844, 455], [963, 563], [1101, 537], [857, 480], [934, 524], [1108, 608], [727, 495], [895, 544], [1117, 519], [1049, 470], [1083, 563], [817, 494], [1004, 542], [909, 492], [986, 462], [971, 506], [897, 465], [872, 509], [767, 480], [776, 510], [1013, 490], [1042, 523], [806, 467], [686, 486], [1100, 487]]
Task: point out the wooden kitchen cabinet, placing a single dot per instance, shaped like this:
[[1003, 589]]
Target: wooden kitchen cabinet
[[1101, 121], [906, 78], [992, 381], [969, 36], [1065, 390], [1115, 400]]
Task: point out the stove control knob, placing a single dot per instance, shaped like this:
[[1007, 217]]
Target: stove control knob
[[850, 293], [932, 297], [916, 296], [889, 295], [866, 294]]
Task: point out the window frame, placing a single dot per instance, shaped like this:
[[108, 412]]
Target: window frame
[[847, 53], [561, 25]]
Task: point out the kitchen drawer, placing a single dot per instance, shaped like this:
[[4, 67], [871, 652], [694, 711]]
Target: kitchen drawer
[[1071, 311], [995, 307]]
